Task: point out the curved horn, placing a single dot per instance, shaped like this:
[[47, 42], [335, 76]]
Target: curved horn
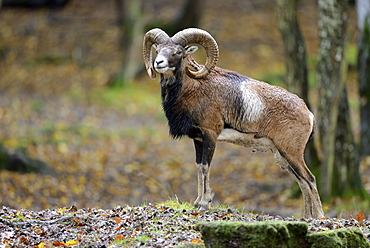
[[153, 36], [203, 38]]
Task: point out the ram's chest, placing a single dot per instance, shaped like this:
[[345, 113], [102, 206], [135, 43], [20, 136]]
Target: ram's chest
[[181, 121]]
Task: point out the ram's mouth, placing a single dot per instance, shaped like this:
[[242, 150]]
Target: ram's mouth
[[164, 69]]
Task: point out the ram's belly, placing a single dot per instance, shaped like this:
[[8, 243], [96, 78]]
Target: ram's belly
[[247, 140]]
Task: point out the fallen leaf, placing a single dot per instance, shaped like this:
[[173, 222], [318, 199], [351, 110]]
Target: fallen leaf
[[360, 217], [118, 219], [196, 241], [71, 242], [119, 237]]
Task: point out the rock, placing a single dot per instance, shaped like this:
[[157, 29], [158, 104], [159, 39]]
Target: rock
[[351, 237], [260, 234], [276, 234], [20, 162]]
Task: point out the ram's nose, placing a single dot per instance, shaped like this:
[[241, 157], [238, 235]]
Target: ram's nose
[[159, 62]]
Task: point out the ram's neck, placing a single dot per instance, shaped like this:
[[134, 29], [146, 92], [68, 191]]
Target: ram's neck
[[171, 84], [179, 120]]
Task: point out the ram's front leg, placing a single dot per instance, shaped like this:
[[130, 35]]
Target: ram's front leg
[[204, 152]]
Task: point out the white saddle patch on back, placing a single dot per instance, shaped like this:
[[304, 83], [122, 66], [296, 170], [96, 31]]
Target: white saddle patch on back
[[253, 105]]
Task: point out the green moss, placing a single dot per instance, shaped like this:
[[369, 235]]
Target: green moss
[[351, 237], [276, 234], [260, 234]]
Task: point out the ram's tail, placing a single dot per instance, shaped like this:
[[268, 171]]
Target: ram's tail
[[313, 127]]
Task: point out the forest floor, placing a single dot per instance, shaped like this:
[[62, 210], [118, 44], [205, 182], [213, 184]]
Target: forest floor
[[109, 147], [170, 224]]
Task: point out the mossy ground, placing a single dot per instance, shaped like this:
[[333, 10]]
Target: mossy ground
[[277, 234]]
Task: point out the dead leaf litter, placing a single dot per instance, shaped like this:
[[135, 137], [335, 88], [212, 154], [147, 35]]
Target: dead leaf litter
[[146, 226]]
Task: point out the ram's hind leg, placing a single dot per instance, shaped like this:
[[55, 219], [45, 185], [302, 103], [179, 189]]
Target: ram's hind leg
[[306, 180]]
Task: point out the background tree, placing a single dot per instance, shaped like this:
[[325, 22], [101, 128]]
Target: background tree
[[132, 21], [363, 14], [295, 62], [188, 16], [294, 48], [340, 162]]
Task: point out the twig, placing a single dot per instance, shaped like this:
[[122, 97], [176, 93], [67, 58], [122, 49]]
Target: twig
[[41, 222]]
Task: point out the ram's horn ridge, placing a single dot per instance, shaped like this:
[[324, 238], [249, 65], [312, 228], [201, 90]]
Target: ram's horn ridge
[[197, 36]]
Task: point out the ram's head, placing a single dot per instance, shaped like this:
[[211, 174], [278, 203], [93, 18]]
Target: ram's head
[[172, 50]]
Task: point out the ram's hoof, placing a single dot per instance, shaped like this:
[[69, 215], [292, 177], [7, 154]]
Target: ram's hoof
[[202, 208]]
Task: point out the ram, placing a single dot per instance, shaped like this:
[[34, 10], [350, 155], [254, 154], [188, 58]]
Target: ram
[[210, 104]]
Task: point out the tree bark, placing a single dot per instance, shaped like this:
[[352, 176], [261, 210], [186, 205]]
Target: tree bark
[[340, 163], [363, 13], [295, 62], [347, 179], [294, 48], [189, 16], [132, 22], [332, 27]]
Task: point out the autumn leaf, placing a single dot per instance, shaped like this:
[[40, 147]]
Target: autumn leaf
[[23, 240], [360, 217], [196, 241], [119, 237], [118, 219], [71, 242]]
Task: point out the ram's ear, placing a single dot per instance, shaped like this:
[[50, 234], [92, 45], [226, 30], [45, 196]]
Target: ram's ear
[[190, 50]]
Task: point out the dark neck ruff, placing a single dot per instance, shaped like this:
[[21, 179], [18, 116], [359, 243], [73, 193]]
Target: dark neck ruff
[[179, 119]]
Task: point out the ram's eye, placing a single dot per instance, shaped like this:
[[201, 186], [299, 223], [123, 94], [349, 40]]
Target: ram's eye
[[178, 53]]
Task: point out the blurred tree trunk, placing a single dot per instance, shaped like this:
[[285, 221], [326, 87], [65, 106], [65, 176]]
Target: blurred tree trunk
[[189, 16], [294, 48], [339, 173], [332, 26], [363, 13], [346, 173], [132, 22], [295, 62]]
